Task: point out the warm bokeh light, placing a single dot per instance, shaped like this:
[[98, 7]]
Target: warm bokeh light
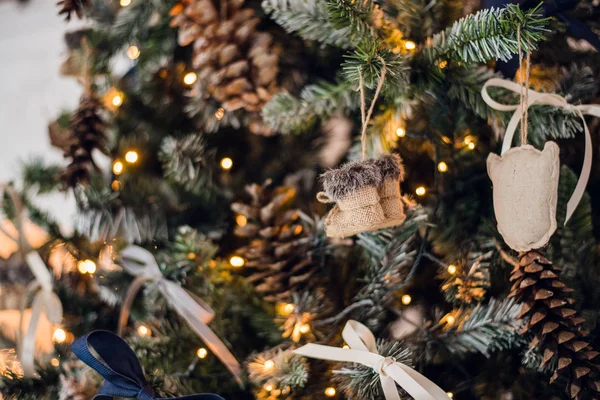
[[450, 394], [269, 365], [115, 185], [54, 362], [131, 156], [59, 335], [118, 168], [190, 78], [117, 100], [346, 347], [237, 261], [443, 64], [330, 392], [133, 52], [471, 145], [442, 166], [401, 132], [450, 320], [143, 330], [420, 191], [226, 163], [86, 266], [220, 114], [125, 3], [410, 45], [202, 352], [241, 220], [304, 329], [406, 299], [451, 269], [269, 387]]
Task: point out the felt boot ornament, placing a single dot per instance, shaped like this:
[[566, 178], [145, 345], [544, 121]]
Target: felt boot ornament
[[392, 173]]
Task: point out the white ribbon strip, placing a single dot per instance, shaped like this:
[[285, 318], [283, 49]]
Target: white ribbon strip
[[140, 263], [363, 350], [551, 99], [45, 301]]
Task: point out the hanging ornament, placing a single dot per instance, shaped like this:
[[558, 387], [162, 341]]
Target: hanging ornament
[[366, 192], [525, 179]]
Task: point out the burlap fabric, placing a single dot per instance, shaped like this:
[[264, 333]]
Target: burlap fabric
[[525, 194], [391, 203], [360, 211]]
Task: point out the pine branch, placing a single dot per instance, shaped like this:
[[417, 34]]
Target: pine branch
[[490, 34], [288, 114], [44, 177], [354, 15], [287, 369], [309, 19]]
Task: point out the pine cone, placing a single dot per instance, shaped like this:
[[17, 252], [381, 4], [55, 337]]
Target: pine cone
[[554, 325], [237, 65], [279, 251], [72, 6], [87, 133]]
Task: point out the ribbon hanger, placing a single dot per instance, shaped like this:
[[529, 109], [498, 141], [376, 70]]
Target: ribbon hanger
[[118, 364]]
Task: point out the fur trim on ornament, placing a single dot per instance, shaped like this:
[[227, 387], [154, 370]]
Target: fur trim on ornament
[[390, 166], [339, 183]]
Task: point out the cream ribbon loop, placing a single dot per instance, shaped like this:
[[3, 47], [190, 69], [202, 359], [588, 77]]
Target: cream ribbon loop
[[551, 99], [140, 263], [45, 301], [363, 350]]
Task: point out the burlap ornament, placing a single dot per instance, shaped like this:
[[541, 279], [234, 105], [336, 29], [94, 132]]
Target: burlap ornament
[[392, 173], [525, 194], [354, 188]]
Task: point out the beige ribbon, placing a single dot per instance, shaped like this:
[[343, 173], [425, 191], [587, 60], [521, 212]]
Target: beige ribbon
[[363, 350], [140, 263], [45, 301], [551, 99]]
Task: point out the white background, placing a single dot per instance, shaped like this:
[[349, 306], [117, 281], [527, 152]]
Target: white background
[[32, 92]]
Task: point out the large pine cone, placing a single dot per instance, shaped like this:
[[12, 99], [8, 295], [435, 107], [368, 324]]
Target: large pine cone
[[280, 248], [237, 65], [546, 303]]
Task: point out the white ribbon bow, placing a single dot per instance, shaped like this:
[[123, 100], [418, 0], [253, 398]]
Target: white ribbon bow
[[363, 350], [45, 301], [551, 99], [140, 263]]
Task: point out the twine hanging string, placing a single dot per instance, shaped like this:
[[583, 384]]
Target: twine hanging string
[[365, 117], [524, 86]]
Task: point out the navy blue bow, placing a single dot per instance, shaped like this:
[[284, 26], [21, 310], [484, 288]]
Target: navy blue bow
[[119, 365]]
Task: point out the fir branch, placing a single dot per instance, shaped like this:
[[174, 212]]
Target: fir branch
[[490, 34], [184, 161], [288, 114], [484, 329], [309, 19], [41, 175], [354, 15], [287, 369]]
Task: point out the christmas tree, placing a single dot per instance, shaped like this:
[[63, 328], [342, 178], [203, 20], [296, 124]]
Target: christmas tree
[[206, 244]]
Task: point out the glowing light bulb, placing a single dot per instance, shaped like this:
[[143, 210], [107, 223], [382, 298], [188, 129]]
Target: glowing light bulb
[[406, 299], [115, 185], [269, 365], [289, 308], [471, 145], [410, 45], [451, 269], [442, 167], [241, 220], [237, 261], [330, 392], [117, 100], [133, 52], [191, 256], [131, 156], [450, 394], [450, 320], [118, 168], [269, 387], [59, 335], [220, 114], [86, 266], [420, 191], [125, 3], [226, 163], [443, 64], [54, 362], [202, 352], [143, 330], [346, 347], [401, 132], [190, 78], [304, 329]]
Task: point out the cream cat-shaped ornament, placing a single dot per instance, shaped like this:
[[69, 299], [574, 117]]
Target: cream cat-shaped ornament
[[525, 194]]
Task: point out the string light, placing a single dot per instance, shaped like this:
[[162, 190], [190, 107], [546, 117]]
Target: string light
[[241, 220], [86, 267], [410, 45], [443, 64], [346, 347], [190, 78], [276, 393], [54, 362], [401, 132], [304, 329], [269, 387], [125, 3], [471, 145], [450, 394], [59, 335], [133, 52], [420, 191], [220, 114], [330, 392], [442, 167], [143, 331], [406, 299], [450, 320], [269, 365], [115, 185], [131, 156], [451, 269], [117, 100], [237, 261], [289, 308], [202, 352], [118, 168], [226, 163]]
